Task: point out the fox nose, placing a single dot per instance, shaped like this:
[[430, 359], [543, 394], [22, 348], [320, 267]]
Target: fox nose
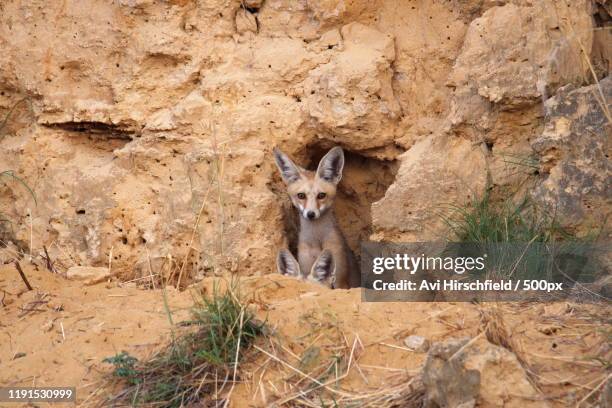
[[310, 215]]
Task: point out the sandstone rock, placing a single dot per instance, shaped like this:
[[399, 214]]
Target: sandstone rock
[[334, 11], [254, 4], [162, 120], [328, 10], [469, 377], [135, 122], [353, 93], [503, 74], [88, 273], [245, 22], [434, 173], [574, 152], [510, 67], [417, 343], [331, 39]]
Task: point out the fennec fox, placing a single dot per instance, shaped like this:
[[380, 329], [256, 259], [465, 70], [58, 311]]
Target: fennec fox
[[312, 193], [322, 272]]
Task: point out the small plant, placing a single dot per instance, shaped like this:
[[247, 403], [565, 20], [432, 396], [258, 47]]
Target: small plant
[[124, 367], [198, 363]]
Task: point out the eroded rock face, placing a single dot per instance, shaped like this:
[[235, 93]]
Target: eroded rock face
[[435, 173], [352, 95], [574, 151], [458, 373], [514, 55], [147, 126]]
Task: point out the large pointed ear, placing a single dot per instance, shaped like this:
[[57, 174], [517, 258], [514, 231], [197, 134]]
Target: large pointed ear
[[289, 171], [286, 264], [324, 267], [331, 165]]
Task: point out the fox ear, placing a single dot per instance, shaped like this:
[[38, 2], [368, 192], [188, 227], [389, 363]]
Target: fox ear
[[324, 267], [289, 171], [331, 165], [286, 264]]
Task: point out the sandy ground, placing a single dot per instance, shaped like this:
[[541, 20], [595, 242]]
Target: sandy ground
[[59, 333]]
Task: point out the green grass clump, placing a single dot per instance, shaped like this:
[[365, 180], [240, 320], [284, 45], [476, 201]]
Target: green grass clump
[[230, 326], [520, 241], [482, 221], [198, 363]]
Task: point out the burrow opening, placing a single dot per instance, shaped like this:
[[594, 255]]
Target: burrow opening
[[364, 181]]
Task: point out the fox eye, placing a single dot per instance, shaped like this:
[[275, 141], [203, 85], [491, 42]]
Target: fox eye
[[301, 196], [321, 196]]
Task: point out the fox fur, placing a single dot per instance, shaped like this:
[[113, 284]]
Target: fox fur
[[313, 194]]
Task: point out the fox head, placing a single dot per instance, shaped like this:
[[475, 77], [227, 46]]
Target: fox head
[[323, 271], [312, 193]]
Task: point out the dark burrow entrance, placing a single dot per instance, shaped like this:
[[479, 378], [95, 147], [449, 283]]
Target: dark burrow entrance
[[365, 181]]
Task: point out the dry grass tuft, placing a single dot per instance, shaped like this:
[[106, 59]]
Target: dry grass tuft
[[200, 365], [313, 372], [408, 393]]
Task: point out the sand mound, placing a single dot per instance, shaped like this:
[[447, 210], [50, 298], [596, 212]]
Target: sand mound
[[59, 333]]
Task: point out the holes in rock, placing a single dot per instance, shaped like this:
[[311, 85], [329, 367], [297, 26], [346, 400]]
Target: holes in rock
[[80, 212], [364, 181]]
